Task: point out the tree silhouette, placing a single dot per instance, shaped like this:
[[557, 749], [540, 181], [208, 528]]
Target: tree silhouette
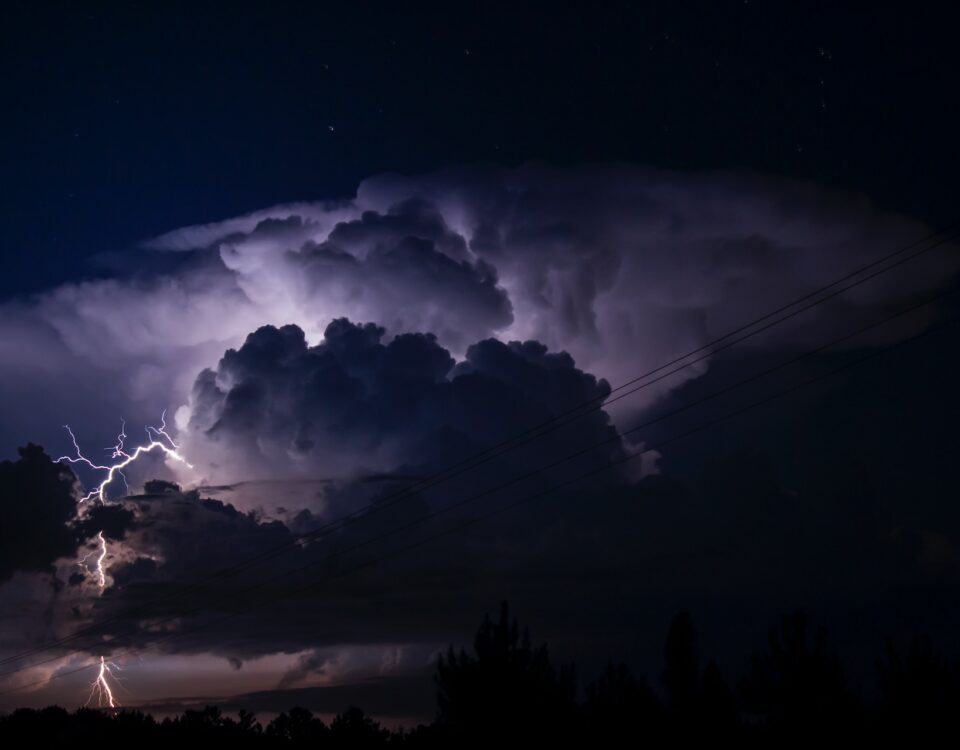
[[617, 705], [919, 692], [681, 677], [354, 729], [505, 688], [796, 687], [299, 725], [697, 704], [718, 712], [200, 723]]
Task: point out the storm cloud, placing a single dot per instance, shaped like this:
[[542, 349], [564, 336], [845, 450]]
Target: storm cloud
[[277, 407], [317, 359], [38, 500], [621, 267], [593, 570]]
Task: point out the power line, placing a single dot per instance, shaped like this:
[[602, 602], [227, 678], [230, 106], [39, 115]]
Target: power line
[[557, 422], [571, 415], [477, 519], [571, 456]]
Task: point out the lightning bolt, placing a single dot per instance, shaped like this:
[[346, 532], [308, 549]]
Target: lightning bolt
[[158, 439], [118, 452], [161, 431], [101, 571], [100, 688]]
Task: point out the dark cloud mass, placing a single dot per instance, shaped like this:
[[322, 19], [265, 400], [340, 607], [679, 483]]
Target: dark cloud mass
[[355, 401], [112, 520], [623, 267], [37, 501], [596, 569], [321, 359]]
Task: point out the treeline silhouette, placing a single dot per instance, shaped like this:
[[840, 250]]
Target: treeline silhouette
[[508, 689]]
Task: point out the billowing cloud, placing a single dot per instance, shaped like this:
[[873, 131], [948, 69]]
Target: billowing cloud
[[349, 348], [277, 407], [622, 267], [37, 503]]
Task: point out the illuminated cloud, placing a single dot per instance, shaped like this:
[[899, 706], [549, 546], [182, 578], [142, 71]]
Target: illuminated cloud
[[277, 407], [360, 343], [622, 267]]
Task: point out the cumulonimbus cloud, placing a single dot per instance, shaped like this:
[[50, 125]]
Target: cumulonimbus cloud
[[423, 319], [277, 407], [622, 267]]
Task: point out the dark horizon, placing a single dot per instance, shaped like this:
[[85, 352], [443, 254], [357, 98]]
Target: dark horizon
[[507, 685]]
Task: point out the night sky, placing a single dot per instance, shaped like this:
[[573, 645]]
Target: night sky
[[341, 248]]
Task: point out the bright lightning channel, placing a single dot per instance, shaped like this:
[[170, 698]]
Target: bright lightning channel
[[101, 571], [159, 439], [100, 688]]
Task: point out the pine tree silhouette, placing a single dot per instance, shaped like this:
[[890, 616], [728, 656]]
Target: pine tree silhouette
[[920, 692], [799, 688], [617, 705], [681, 677], [505, 688], [299, 725]]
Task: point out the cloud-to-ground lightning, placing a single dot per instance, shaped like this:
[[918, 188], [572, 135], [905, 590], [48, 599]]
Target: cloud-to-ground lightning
[[100, 687], [158, 438]]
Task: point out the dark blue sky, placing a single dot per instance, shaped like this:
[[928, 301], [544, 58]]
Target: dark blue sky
[[124, 120]]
